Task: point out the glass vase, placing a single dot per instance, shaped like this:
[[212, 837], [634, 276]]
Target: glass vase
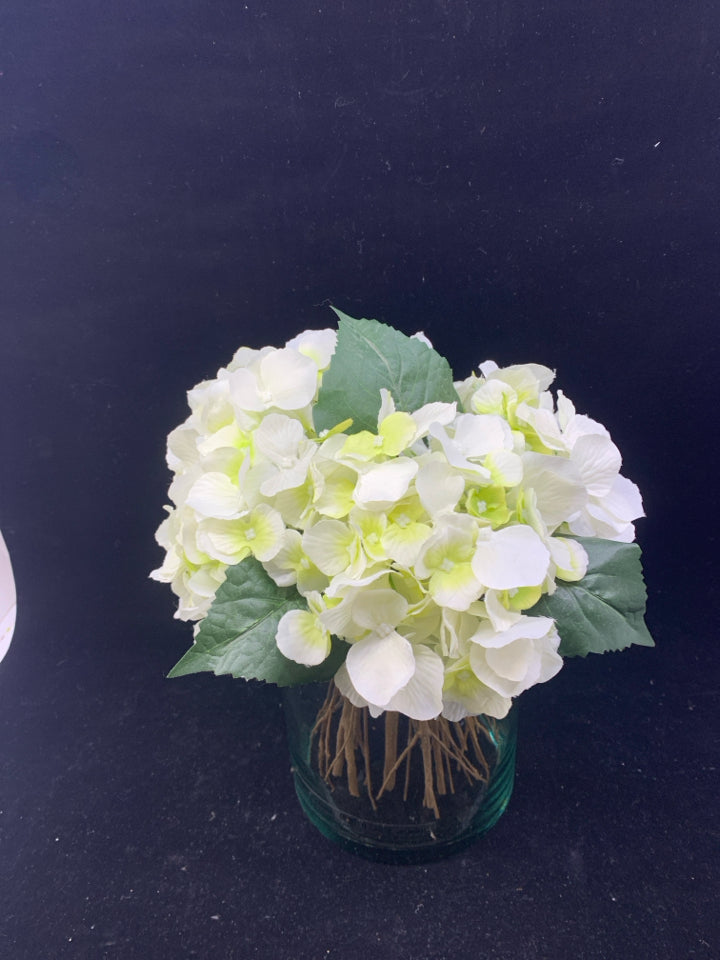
[[394, 789]]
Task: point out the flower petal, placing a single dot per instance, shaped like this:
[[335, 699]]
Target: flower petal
[[397, 432], [624, 500], [182, 447], [438, 486], [456, 587], [300, 637], [374, 609], [215, 495], [344, 685], [288, 379], [278, 438], [570, 558], [317, 344], [544, 424], [557, 484], [404, 542], [379, 666], [385, 484], [506, 468], [479, 434], [421, 697], [425, 416], [245, 391], [515, 659], [464, 695], [500, 617], [328, 544], [598, 461], [509, 558]]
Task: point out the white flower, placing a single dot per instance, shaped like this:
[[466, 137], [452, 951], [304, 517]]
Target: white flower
[[383, 669], [301, 636], [215, 495], [424, 417], [569, 558], [420, 697], [464, 695], [438, 485], [380, 665], [381, 486], [527, 380], [610, 516], [544, 423], [286, 452], [598, 461], [182, 447], [246, 356], [291, 565], [334, 547], [559, 490], [211, 405], [512, 660], [196, 590], [177, 534], [319, 345], [613, 501], [365, 604], [510, 558], [333, 482], [469, 443], [283, 378], [257, 533], [446, 562]]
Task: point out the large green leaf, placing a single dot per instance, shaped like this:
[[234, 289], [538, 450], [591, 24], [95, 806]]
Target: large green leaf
[[238, 634], [370, 355], [604, 611]]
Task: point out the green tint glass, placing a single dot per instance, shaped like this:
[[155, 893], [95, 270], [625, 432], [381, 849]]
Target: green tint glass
[[395, 790]]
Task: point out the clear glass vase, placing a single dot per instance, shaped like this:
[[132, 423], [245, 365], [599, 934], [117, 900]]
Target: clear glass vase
[[394, 789]]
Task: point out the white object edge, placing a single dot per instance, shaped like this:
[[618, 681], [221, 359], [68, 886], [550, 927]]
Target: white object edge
[[8, 599]]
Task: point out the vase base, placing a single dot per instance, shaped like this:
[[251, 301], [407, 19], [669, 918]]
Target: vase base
[[426, 849], [392, 789], [408, 842]]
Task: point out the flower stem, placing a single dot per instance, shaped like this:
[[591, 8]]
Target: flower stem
[[444, 747]]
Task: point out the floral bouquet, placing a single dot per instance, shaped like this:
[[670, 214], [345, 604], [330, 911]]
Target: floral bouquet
[[344, 511]]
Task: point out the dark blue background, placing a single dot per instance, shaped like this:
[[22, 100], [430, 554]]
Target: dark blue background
[[523, 181]]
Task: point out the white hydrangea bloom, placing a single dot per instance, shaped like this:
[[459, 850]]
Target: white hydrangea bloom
[[283, 379], [420, 697], [510, 558], [301, 636], [383, 485], [613, 501], [319, 345], [512, 660], [422, 543], [285, 452]]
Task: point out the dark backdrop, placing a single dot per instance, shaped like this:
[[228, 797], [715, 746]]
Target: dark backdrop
[[522, 181]]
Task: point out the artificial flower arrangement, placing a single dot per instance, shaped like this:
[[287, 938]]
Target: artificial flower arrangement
[[343, 510]]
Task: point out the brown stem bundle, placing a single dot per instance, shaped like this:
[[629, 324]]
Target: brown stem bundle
[[445, 748]]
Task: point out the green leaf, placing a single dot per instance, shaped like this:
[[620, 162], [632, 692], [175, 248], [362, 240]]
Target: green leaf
[[370, 355], [238, 635], [603, 611]]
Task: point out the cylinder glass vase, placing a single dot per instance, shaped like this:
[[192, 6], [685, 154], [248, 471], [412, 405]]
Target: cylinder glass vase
[[395, 789]]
